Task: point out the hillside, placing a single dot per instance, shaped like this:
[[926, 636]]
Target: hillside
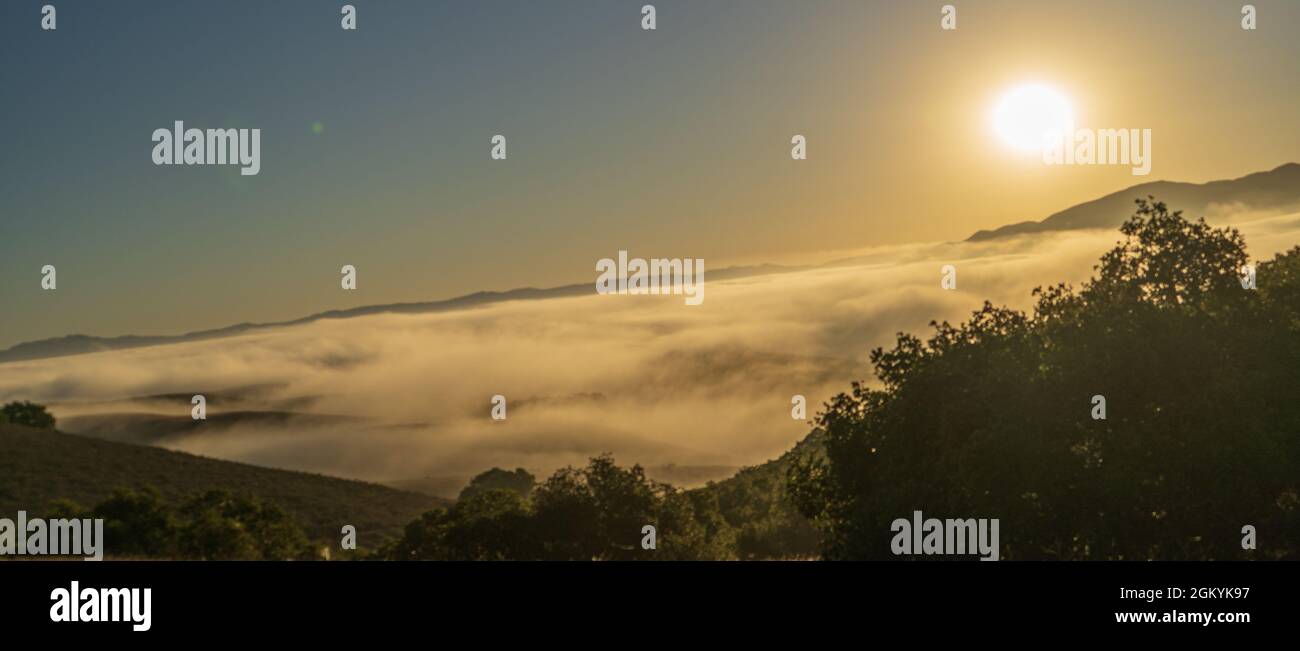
[[38, 466], [757, 506], [1277, 189]]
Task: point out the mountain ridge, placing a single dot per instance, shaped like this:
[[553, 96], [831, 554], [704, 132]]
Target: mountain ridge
[[79, 344], [1271, 189]]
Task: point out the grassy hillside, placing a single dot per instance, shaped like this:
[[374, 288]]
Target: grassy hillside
[[38, 466]]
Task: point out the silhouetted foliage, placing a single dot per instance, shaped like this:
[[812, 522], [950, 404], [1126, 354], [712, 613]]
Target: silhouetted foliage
[[137, 523], [757, 518], [221, 525], [214, 525], [520, 481], [992, 418], [27, 413], [596, 512], [490, 525]]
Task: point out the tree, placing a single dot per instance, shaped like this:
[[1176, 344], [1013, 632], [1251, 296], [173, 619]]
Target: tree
[[218, 525], [992, 417], [137, 523], [596, 512], [27, 413], [520, 481], [487, 526], [755, 516]]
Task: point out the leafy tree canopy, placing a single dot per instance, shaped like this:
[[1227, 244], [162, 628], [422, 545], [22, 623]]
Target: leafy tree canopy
[[27, 413], [993, 417]]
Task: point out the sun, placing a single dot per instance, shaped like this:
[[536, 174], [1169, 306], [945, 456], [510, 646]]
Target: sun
[[1028, 113]]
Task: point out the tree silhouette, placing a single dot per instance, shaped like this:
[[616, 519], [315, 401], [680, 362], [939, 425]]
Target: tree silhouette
[[520, 481], [137, 523], [218, 525], [596, 512], [992, 417], [213, 525], [27, 413]]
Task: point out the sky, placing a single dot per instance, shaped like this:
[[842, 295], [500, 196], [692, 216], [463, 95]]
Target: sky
[[673, 142]]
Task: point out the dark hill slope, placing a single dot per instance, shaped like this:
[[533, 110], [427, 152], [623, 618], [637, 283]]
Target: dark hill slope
[[39, 466]]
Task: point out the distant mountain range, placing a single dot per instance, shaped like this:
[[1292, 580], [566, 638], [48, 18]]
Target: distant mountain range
[[81, 344], [1275, 189]]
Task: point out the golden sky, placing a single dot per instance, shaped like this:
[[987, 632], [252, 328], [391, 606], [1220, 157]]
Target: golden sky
[[669, 143]]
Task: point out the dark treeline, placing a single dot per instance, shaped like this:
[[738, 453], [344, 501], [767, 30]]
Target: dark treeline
[[993, 418], [212, 525], [598, 512], [28, 414]]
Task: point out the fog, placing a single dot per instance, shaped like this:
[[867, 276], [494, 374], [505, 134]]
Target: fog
[[648, 378]]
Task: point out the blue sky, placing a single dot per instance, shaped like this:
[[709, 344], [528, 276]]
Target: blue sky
[[666, 143]]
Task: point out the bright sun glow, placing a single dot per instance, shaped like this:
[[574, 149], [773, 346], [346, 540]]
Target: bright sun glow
[[1026, 114]]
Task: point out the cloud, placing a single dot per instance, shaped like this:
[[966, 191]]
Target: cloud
[[645, 377]]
